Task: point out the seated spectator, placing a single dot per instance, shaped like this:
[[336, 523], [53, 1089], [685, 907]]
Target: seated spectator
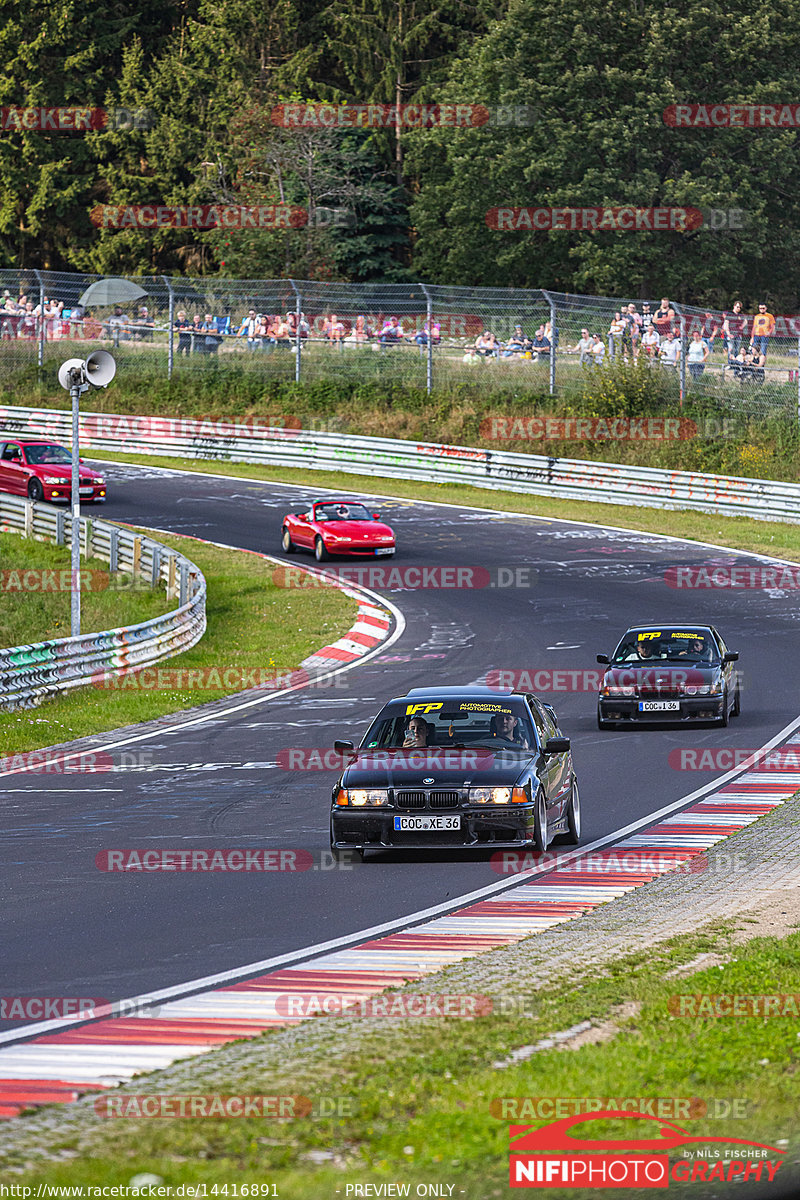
[[486, 345], [598, 349], [540, 346], [584, 347], [670, 350], [517, 345], [145, 325], [548, 333], [651, 342], [696, 355], [333, 330], [421, 338], [391, 332]]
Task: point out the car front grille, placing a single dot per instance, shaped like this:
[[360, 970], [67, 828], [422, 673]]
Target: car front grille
[[430, 800]]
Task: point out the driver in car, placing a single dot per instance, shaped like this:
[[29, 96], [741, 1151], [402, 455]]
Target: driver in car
[[505, 725]]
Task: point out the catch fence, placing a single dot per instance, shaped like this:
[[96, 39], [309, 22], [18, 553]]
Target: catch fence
[[418, 334]]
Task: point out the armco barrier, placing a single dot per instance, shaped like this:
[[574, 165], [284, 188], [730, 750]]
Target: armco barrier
[[28, 674], [565, 478]]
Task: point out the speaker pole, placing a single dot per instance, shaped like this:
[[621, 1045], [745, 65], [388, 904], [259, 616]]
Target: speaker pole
[[75, 586]]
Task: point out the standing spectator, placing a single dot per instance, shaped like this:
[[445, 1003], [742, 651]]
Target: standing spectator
[[598, 349], [28, 322], [197, 339], [651, 342], [709, 331], [118, 325], [211, 337], [647, 319], [146, 325], [664, 319], [336, 331], [615, 331], [76, 321], [183, 326], [734, 325], [763, 329], [584, 347], [281, 332], [670, 350], [248, 329], [696, 355], [633, 330]]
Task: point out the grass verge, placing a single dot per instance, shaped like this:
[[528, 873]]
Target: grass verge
[[421, 1100], [253, 627]]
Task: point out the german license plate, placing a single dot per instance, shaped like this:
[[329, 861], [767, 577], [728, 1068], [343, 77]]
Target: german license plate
[[387, 550], [415, 824], [659, 706], [86, 491]]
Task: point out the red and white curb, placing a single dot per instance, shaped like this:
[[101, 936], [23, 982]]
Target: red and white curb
[[371, 627], [61, 1065]]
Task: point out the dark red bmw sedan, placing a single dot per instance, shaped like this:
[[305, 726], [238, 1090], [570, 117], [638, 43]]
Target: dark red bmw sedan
[[42, 470]]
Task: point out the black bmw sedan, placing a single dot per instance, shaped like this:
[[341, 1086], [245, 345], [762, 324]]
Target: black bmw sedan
[[457, 767]]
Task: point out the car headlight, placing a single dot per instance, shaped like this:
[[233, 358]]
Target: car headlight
[[612, 690], [710, 689], [497, 795], [362, 797], [54, 479]]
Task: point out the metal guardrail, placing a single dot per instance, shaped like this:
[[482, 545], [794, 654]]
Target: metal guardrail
[[29, 674], [534, 474]]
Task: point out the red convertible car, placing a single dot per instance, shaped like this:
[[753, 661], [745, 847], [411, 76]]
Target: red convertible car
[[337, 527], [42, 470]]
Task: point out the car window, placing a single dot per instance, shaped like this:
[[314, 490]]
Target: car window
[[39, 455], [538, 720], [452, 722], [12, 452], [341, 512]]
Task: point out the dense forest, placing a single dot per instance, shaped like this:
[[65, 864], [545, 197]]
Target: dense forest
[[573, 104]]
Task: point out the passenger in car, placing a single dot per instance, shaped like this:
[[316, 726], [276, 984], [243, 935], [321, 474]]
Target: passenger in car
[[416, 734]]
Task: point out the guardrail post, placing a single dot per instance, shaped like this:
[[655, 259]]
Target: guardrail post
[[184, 592], [298, 340], [136, 561], [113, 550], [171, 577], [61, 527], [88, 530], [171, 351], [28, 519], [155, 573], [41, 323]]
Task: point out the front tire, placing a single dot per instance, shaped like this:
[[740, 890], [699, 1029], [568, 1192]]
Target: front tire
[[35, 490], [287, 544], [601, 724], [320, 551], [541, 835], [574, 814], [725, 718], [737, 703]]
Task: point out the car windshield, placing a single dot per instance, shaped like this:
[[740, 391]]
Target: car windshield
[[341, 512], [490, 724], [644, 646], [38, 455]]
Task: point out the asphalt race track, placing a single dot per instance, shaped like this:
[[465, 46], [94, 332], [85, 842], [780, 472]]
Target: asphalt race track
[[73, 930]]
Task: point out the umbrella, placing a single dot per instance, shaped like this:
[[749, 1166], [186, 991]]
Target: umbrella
[[111, 291]]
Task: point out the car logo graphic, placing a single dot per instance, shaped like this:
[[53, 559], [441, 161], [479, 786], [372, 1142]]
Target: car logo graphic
[[429, 779]]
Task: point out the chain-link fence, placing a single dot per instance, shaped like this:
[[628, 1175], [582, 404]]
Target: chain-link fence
[[424, 335]]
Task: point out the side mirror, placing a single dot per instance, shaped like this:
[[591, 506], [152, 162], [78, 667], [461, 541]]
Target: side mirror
[[343, 747], [602, 658], [301, 516], [557, 745], [376, 516], [731, 656]]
